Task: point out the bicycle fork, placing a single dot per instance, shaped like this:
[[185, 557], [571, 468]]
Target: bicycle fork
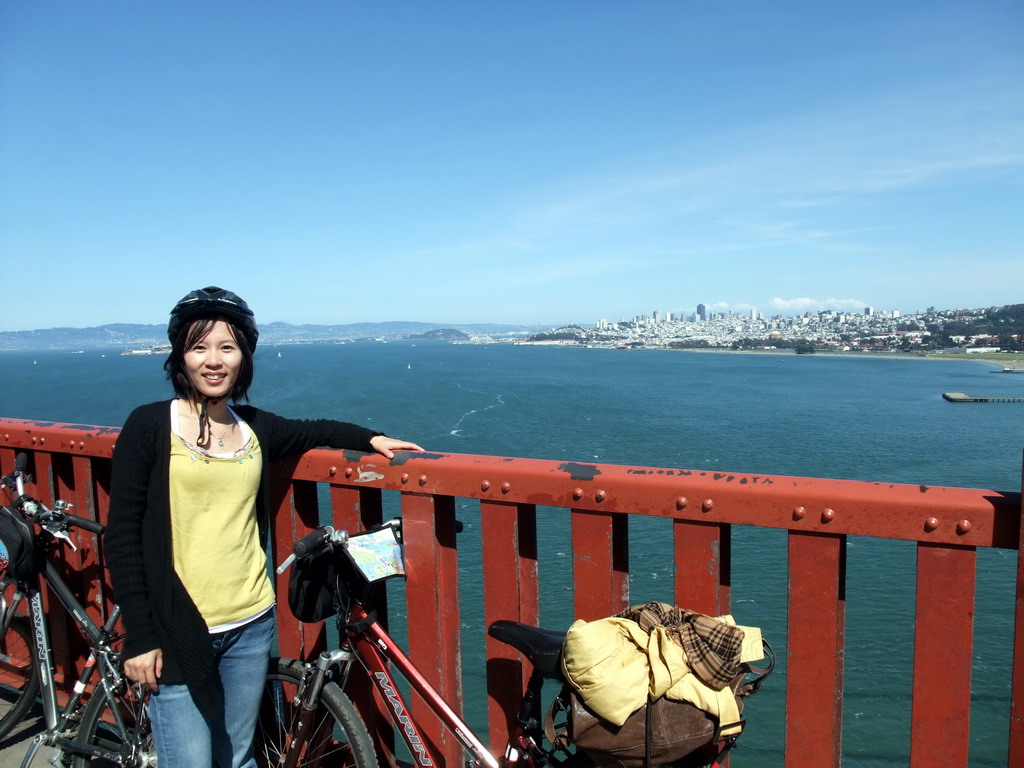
[[309, 698]]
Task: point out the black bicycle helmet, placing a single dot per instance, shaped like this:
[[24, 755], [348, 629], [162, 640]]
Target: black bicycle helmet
[[214, 301]]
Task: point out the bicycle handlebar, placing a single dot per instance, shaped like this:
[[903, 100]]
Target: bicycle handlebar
[[74, 521], [317, 540], [57, 520], [313, 542]]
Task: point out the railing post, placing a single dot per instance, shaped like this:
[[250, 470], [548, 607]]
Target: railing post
[[432, 598], [357, 509], [941, 709], [702, 566], [1016, 749], [295, 513], [509, 550], [814, 680], [600, 564], [101, 513]]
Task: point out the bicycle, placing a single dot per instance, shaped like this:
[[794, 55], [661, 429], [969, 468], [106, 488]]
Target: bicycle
[[307, 719], [110, 725]]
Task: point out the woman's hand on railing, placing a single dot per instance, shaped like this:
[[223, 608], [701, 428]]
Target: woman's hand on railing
[[386, 446]]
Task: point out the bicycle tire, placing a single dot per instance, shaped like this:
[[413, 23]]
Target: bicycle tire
[[19, 674], [132, 741], [339, 738]]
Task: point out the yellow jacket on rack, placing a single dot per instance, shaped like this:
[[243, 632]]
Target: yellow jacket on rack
[[613, 664]]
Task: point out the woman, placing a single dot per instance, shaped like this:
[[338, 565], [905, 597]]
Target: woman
[[187, 533]]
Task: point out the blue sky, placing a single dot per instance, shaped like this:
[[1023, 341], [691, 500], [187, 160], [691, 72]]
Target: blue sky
[[510, 162]]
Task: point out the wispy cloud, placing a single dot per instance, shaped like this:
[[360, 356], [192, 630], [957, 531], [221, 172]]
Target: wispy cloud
[[897, 141], [811, 193]]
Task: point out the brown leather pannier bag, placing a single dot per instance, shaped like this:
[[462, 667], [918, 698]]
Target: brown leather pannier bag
[[677, 729], [679, 732]]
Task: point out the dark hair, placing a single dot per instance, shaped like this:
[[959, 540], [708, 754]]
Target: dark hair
[[191, 334]]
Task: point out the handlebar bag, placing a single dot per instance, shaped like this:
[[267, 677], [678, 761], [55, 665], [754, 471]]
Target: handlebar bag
[[320, 584], [19, 557], [313, 587]]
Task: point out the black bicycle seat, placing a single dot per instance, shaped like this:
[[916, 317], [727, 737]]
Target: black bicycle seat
[[543, 647]]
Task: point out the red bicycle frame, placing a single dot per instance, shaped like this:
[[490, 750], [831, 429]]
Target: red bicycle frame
[[375, 648]]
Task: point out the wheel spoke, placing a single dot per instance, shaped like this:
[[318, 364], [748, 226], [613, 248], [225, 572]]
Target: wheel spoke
[[19, 675], [118, 725], [335, 736]]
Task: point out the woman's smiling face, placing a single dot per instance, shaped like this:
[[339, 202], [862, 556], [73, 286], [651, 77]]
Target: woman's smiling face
[[214, 361]]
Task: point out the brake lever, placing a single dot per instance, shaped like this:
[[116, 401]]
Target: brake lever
[[63, 534], [55, 525]]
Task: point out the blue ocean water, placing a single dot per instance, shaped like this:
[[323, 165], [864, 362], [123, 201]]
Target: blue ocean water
[[876, 419]]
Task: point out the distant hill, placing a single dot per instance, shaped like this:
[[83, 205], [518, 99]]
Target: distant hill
[[117, 335], [126, 335], [442, 334]]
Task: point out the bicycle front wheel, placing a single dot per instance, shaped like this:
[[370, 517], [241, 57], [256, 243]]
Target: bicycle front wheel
[[116, 730], [337, 737], [19, 674]]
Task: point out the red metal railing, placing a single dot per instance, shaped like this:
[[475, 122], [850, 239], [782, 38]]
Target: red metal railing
[[948, 524]]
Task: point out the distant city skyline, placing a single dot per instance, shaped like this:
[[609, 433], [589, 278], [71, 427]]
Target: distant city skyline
[[980, 329], [962, 330], [528, 163], [654, 317]]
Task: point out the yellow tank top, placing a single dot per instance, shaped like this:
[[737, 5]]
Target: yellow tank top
[[216, 542]]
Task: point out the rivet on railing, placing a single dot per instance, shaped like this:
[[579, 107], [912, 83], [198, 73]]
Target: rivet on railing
[[963, 526], [405, 477], [485, 485], [931, 524], [423, 479], [827, 515], [42, 441], [707, 505], [681, 502], [577, 494], [348, 472], [506, 487], [599, 496], [35, 440], [799, 513], [332, 471]]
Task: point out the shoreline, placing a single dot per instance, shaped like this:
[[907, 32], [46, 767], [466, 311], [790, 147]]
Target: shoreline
[[1005, 360], [999, 359]]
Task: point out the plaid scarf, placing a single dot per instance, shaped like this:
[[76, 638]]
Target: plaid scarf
[[712, 647]]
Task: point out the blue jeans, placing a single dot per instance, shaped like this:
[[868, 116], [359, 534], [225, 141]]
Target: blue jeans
[[184, 738]]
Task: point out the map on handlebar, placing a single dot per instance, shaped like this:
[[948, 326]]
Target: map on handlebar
[[377, 554]]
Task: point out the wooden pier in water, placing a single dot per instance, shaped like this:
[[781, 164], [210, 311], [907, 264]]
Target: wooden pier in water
[[960, 397]]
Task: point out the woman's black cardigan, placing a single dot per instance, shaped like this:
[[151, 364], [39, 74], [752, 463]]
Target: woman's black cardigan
[[156, 609]]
